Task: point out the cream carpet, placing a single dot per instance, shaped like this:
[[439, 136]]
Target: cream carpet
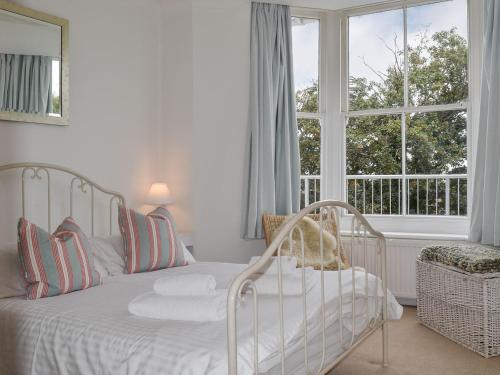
[[415, 350]]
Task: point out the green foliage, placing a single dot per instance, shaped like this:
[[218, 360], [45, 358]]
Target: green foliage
[[56, 104], [310, 146], [373, 145], [309, 131], [307, 99], [438, 69]]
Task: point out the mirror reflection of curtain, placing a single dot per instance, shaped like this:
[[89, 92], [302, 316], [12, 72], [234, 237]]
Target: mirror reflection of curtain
[[25, 83]]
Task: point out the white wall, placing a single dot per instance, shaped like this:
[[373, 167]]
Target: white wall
[[176, 142], [221, 45], [114, 97]]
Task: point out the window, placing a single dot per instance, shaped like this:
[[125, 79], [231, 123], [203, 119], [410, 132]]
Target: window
[[56, 88], [406, 110], [305, 40]]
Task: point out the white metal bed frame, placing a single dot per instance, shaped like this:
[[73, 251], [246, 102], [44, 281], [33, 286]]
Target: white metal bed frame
[[360, 232], [78, 181]]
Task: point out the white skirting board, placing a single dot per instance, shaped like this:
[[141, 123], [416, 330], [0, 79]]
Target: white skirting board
[[401, 256]]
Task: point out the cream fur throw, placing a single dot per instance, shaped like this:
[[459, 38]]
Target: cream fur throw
[[311, 232]]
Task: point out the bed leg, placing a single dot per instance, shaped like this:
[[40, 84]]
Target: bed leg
[[385, 344]]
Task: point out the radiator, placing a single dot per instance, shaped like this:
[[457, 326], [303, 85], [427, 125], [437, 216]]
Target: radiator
[[401, 257]]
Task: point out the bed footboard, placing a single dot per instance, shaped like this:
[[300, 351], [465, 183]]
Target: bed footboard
[[364, 263]]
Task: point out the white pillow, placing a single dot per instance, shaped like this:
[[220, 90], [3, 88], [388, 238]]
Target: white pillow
[[99, 267], [109, 254], [11, 278]]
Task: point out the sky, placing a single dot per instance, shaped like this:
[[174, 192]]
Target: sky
[[366, 36], [305, 39]]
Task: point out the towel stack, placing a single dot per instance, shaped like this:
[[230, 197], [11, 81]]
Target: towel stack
[[191, 297], [291, 276]]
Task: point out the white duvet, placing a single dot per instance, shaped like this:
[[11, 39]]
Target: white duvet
[[91, 331]]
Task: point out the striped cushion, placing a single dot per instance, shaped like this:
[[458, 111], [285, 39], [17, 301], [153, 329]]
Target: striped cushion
[[151, 241], [55, 264]]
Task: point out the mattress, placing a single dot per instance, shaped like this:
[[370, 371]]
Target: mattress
[[92, 332]]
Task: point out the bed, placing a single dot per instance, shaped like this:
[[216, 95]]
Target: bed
[[91, 331]]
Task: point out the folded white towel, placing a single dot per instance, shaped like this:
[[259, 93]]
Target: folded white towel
[[291, 283], [196, 309], [194, 284], [288, 265]]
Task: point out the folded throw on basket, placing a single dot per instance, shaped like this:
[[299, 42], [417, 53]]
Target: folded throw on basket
[[186, 285], [187, 308], [288, 265]]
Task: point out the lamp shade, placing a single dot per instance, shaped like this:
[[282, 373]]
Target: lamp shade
[[159, 194]]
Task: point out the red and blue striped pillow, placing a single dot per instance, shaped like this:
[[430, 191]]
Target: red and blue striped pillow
[[151, 241], [55, 264]]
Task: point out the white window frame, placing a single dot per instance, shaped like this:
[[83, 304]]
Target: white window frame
[[333, 82], [321, 114]]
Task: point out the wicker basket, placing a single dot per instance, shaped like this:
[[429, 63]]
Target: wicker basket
[[463, 307]]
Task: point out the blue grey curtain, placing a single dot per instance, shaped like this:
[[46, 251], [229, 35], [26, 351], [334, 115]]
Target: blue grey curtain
[[272, 179], [25, 83], [485, 217]]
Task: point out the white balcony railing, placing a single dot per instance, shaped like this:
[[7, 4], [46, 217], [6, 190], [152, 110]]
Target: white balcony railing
[[439, 195], [310, 189]]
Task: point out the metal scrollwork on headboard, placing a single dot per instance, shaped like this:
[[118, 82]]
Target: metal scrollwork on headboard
[[79, 182], [82, 186], [35, 174]]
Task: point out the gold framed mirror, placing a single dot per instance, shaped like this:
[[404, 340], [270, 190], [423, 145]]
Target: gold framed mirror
[[34, 66]]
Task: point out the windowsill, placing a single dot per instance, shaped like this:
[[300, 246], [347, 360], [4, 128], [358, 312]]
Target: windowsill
[[445, 228], [414, 217], [425, 236], [417, 236]]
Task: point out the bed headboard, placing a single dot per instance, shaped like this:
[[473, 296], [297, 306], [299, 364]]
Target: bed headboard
[[44, 192]]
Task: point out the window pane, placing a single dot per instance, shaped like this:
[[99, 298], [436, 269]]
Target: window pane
[[309, 190], [373, 145], [56, 95], [437, 195], [376, 195], [310, 145], [376, 60], [305, 37], [436, 143], [310, 156], [437, 53]]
